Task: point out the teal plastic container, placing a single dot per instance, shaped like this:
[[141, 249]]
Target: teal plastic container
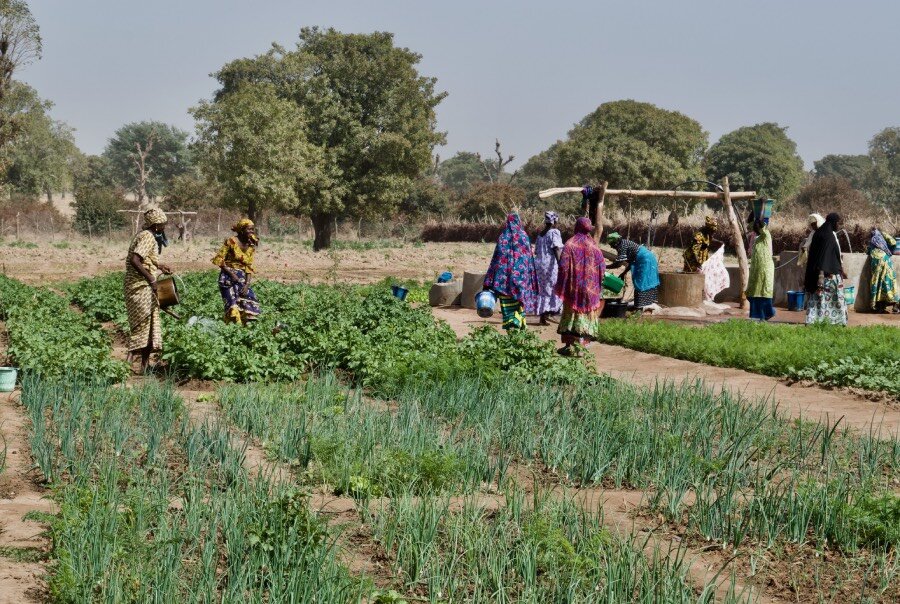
[[613, 283], [8, 377]]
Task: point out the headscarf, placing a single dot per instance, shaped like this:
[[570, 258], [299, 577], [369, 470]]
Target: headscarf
[[613, 238], [511, 272], [155, 216], [581, 269], [879, 242], [550, 217], [816, 219], [711, 223], [245, 223], [824, 253]]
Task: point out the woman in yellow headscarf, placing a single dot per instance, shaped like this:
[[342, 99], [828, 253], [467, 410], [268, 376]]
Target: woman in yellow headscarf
[[698, 252], [142, 266], [235, 260]]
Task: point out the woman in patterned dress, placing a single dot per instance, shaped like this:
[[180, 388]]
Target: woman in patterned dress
[[702, 245], [643, 266], [548, 247], [235, 261], [511, 274], [883, 285], [142, 266], [580, 286], [824, 279]]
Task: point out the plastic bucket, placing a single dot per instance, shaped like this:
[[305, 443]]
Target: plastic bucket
[[613, 283], [850, 294], [796, 300], [445, 277], [762, 208], [485, 302], [8, 377], [399, 291]]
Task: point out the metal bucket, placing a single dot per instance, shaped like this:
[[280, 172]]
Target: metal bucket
[[485, 302], [8, 377], [167, 291]]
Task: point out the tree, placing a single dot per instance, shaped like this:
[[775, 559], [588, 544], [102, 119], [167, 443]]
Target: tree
[[20, 40], [631, 145], [490, 200], [145, 156], [538, 174], [368, 114], [854, 168], [833, 194], [757, 158], [462, 171], [883, 182], [254, 142]]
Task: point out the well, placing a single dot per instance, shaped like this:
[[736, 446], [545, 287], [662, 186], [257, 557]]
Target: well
[[681, 289], [445, 294]]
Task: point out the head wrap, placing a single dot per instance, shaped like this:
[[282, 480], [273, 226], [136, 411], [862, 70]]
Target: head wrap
[[511, 272], [242, 224], [613, 237], [551, 217], [711, 223], [878, 241], [816, 219], [155, 216], [581, 269]]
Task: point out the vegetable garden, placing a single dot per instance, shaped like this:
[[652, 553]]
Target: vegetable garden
[[453, 453]]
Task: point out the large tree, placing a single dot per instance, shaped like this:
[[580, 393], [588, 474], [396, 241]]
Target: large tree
[[883, 182], [757, 158], [854, 168], [462, 171], [631, 145], [368, 113], [145, 156], [20, 40]]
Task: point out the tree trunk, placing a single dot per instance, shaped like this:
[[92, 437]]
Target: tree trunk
[[251, 210], [323, 227]]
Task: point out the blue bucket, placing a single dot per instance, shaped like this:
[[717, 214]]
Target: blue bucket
[[484, 303], [796, 300], [445, 277], [399, 291]]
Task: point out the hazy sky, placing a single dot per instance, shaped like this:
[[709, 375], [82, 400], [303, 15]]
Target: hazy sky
[[522, 71]]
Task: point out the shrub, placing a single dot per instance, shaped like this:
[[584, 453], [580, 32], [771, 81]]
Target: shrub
[[97, 210]]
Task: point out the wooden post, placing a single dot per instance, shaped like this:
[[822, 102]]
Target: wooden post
[[737, 240], [17, 226], [596, 211]]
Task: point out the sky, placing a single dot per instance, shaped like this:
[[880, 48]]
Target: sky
[[521, 71]]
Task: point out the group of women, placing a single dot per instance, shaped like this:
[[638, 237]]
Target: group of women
[[143, 268], [562, 279]]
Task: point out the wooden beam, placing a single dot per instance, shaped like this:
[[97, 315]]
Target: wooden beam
[[651, 193], [737, 240]]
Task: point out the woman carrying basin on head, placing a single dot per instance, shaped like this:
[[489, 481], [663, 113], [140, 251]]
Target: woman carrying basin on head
[[580, 285], [235, 260], [761, 285]]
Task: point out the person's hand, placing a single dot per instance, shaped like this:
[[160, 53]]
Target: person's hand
[[622, 276], [154, 286], [245, 290], [166, 270]]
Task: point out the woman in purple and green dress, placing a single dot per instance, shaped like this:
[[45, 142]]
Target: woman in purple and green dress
[[548, 246], [235, 260], [511, 274], [580, 286]]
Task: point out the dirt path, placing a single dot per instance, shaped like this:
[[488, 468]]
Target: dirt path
[[646, 369]]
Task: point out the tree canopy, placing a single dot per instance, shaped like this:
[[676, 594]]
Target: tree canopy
[[367, 113], [462, 171], [854, 168], [883, 182], [167, 156], [757, 158], [20, 40], [631, 145]]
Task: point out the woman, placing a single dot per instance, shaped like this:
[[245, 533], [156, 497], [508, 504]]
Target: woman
[[761, 285], [548, 247], [581, 269], [642, 261], [813, 222], [511, 274], [824, 278], [883, 286], [235, 260], [698, 252], [141, 269]]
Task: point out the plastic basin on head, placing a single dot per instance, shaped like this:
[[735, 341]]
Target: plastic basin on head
[[8, 377]]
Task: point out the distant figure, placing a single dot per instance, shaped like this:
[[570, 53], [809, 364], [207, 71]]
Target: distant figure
[[142, 267], [643, 266], [548, 247], [580, 285], [824, 280], [761, 285], [883, 286], [813, 223], [511, 274], [235, 260], [698, 252]]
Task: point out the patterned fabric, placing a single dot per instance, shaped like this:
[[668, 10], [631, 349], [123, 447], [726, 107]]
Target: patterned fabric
[[762, 267], [761, 309], [234, 256], [829, 305], [513, 313], [155, 216], [644, 267], [646, 297], [824, 254], [551, 217], [581, 270], [697, 253], [628, 250], [511, 272], [242, 224], [238, 308], [878, 242], [711, 223], [715, 275], [579, 327], [144, 326], [546, 271], [883, 285]]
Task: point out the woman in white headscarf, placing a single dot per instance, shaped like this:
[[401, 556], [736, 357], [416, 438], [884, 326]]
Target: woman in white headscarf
[[813, 223], [548, 246]]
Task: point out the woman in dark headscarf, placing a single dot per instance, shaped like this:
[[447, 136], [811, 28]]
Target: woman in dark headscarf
[[511, 274], [580, 285], [883, 285], [824, 280]]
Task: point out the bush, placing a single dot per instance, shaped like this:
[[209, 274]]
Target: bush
[[833, 194], [490, 200], [97, 210]]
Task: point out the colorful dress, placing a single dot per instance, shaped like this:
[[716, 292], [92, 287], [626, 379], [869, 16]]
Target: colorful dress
[[144, 325], [239, 307], [883, 285], [761, 285], [546, 270], [697, 253], [644, 271], [580, 285], [511, 274], [823, 282]]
